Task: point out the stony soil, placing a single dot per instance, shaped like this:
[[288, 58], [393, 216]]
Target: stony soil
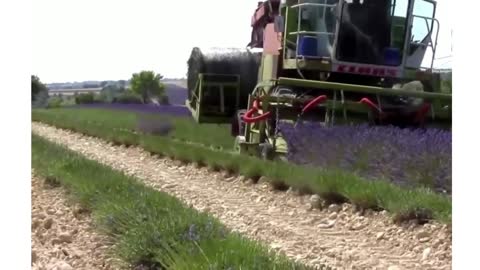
[[63, 236], [337, 236]]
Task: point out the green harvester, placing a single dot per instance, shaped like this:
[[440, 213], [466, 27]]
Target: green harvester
[[335, 62]]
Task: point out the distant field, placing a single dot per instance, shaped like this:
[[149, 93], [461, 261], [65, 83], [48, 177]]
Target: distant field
[[176, 94], [179, 83], [175, 90], [71, 92]]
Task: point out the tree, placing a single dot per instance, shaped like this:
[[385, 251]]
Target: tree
[[147, 84], [37, 87]]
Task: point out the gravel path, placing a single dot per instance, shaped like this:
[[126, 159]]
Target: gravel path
[[336, 236], [63, 237]]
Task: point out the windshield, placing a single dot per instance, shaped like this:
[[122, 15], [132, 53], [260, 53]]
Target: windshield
[[372, 31]]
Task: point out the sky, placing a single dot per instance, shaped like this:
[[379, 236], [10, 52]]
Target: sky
[[79, 40]]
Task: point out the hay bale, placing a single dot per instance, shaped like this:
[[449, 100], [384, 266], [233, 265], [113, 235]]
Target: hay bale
[[225, 61]]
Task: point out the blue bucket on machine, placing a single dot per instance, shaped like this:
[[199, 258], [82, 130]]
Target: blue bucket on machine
[[308, 46], [391, 57]]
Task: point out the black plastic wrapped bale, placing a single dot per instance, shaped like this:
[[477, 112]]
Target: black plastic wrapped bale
[[225, 61]]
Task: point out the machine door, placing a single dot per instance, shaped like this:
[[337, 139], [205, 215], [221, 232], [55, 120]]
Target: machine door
[[423, 35], [372, 32]]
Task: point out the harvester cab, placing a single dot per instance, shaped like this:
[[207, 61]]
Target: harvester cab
[[328, 61]]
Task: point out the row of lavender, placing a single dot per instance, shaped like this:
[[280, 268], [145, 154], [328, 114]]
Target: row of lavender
[[403, 156], [406, 157]]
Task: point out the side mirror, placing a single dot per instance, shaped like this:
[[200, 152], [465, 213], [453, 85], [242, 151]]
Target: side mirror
[[279, 24]]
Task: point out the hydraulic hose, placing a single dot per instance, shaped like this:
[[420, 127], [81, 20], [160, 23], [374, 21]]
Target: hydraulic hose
[[248, 116], [370, 104], [314, 102]]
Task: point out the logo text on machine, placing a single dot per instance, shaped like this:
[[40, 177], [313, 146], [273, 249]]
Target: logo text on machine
[[375, 71]]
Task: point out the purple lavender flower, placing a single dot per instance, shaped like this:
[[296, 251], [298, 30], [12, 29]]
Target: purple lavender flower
[[403, 156], [193, 234]]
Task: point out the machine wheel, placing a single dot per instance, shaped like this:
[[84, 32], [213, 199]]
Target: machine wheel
[[238, 141], [266, 151], [281, 157]]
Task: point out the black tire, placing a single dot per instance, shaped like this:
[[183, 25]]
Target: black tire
[[238, 141], [266, 151]]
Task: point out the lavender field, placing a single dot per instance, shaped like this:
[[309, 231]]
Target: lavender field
[[176, 96], [170, 110], [366, 165], [409, 158], [405, 157]]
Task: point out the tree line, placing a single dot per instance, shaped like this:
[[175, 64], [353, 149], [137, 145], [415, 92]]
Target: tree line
[[145, 87]]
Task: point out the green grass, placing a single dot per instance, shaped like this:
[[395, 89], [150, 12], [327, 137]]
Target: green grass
[[185, 129], [149, 227], [332, 185]]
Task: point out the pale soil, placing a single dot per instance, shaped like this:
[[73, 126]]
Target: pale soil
[[338, 236], [63, 235]]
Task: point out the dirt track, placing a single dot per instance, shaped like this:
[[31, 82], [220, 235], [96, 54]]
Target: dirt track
[[336, 236], [63, 236]]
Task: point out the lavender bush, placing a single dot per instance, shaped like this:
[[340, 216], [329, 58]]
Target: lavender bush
[[403, 156], [154, 125]]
